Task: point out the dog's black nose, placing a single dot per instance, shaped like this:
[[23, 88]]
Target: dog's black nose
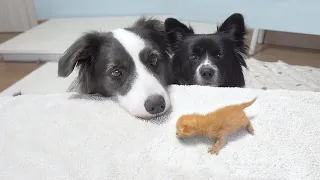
[[206, 72], [155, 104]]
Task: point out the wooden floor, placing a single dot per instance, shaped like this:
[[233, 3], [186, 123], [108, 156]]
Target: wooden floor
[[13, 72]]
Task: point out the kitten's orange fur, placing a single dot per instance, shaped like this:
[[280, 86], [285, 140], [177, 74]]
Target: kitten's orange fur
[[218, 124]]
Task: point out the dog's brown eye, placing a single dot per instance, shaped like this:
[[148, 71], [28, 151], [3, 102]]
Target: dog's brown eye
[[193, 57], [154, 59], [116, 73], [219, 56]]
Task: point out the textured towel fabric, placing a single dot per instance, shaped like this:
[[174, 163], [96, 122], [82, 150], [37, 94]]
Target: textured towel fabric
[[261, 75], [68, 136]]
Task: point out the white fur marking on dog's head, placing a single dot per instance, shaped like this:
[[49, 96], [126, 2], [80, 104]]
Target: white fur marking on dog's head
[[207, 63], [144, 84]]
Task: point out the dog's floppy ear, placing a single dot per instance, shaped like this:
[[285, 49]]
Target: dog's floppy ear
[[83, 51], [176, 30], [234, 26]]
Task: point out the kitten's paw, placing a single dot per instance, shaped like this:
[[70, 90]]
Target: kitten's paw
[[250, 130], [213, 150]]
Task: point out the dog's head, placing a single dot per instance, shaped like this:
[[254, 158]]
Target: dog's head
[[209, 59], [128, 64]]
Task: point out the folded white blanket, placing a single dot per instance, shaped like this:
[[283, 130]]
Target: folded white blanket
[[67, 136]]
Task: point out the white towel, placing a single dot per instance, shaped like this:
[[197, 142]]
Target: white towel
[[67, 136], [261, 75]]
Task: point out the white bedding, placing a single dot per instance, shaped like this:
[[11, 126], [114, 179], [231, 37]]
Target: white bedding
[[66, 136], [266, 75]]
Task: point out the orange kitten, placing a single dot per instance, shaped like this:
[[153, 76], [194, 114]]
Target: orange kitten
[[218, 124]]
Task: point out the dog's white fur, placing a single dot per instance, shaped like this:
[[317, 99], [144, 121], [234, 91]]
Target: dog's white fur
[[207, 63], [145, 84]]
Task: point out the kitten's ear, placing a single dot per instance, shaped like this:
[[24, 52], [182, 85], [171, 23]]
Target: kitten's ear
[[186, 129], [83, 51], [176, 31]]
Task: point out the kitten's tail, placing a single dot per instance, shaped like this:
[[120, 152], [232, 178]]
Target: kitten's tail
[[247, 104]]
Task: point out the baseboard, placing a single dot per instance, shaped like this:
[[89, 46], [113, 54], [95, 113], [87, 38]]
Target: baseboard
[[292, 39], [42, 21]]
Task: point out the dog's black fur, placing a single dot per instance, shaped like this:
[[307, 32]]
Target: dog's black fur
[[223, 50]]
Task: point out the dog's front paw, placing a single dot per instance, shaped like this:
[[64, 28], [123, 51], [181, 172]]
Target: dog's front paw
[[213, 150]]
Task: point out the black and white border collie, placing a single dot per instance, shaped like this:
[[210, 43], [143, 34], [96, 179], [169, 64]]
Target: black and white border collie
[[208, 59], [131, 65]]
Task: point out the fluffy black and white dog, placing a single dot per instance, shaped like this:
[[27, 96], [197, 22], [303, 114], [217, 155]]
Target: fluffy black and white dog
[[131, 65], [209, 59]]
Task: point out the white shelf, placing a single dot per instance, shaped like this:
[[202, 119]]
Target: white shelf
[[49, 40]]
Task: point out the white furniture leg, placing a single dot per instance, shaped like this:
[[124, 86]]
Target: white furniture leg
[[261, 36], [254, 40]]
